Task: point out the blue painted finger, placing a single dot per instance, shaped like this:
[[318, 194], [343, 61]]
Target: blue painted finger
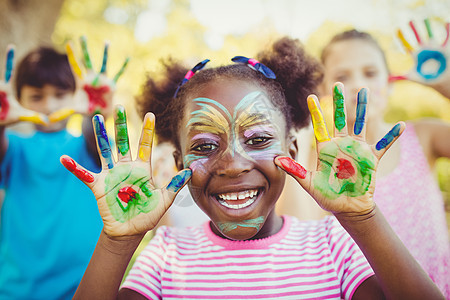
[[102, 141], [388, 138], [360, 111]]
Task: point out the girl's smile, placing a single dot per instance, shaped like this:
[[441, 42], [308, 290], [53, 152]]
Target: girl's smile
[[230, 137]]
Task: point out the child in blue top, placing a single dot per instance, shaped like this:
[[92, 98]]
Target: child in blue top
[[230, 126], [43, 250]]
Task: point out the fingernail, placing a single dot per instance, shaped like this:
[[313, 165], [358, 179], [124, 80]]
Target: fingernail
[[179, 180], [292, 167]]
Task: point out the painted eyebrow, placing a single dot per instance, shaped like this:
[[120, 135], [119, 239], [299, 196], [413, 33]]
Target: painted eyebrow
[[204, 135], [248, 132], [255, 119]]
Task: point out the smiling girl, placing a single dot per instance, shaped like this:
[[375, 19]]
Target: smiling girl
[[231, 129]]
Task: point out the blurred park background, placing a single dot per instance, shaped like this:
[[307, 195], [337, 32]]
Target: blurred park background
[[191, 30]]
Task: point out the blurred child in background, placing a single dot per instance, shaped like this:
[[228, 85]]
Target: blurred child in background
[[406, 190], [49, 221]]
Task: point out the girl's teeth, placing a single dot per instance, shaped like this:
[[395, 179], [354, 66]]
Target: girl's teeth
[[250, 195], [238, 196], [237, 206]]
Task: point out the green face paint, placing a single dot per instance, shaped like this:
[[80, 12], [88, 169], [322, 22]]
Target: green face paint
[[128, 192], [123, 145], [339, 115], [229, 226], [339, 176]]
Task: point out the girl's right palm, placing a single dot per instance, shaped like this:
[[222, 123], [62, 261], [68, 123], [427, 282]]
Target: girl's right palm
[[127, 199]]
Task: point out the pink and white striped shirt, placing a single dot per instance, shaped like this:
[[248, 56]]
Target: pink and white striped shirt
[[304, 260]]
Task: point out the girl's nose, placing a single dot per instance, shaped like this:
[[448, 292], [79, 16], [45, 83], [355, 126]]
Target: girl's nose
[[232, 165]]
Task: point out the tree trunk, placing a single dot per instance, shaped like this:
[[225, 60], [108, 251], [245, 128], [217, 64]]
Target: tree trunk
[[27, 24]]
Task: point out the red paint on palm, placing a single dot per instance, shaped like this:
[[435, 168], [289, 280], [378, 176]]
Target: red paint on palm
[[72, 166], [345, 169], [4, 105], [96, 96], [126, 194], [293, 167]]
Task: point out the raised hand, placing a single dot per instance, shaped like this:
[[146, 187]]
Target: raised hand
[[10, 109], [344, 180], [96, 89], [127, 199], [431, 59]]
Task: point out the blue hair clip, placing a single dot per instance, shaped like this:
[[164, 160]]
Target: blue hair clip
[[191, 73], [266, 71]]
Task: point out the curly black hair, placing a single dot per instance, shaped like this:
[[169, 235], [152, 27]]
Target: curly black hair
[[298, 75]]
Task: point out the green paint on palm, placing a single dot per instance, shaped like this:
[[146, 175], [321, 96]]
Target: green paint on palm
[[339, 115], [327, 181], [137, 179], [229, 226], [123, 146]]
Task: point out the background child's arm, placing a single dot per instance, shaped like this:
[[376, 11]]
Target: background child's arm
[[128, 202], [10, 110], [344, 183]]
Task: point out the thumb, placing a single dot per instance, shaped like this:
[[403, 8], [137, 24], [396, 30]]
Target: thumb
[[61, 114], [293, 168], [176, 184], [33, 117]]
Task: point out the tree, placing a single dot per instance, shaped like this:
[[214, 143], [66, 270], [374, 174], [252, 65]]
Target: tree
[[27, 23]]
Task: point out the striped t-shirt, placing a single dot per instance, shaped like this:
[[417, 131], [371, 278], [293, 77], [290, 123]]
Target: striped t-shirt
[[304, 260]]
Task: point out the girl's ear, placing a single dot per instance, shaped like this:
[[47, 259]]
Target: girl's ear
[[293, 148], [178, 160]]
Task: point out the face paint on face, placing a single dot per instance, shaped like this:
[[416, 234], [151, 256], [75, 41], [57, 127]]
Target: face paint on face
[[129, 194], [249, 122], [340, 176], [256, 223], [231, 136]]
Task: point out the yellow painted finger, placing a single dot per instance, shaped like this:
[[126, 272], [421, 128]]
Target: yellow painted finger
[[145, 145], [404, 41], [34, 118], [320, 129], [61, 114], [73, 61]]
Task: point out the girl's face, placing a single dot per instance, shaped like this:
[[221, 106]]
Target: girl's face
[[357, 63], [230, 135]]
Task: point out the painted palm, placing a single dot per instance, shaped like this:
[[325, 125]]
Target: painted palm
[[344, 180], [128, 201]]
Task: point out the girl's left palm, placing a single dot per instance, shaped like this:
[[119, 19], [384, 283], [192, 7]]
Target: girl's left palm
[[344, 180]]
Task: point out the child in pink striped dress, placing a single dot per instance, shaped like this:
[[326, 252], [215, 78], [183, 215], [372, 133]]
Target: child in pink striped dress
[[231, 128]]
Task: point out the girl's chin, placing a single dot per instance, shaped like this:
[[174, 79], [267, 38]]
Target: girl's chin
[[240, 231]]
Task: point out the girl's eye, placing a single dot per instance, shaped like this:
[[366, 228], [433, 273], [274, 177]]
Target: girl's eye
[[257, 140], [205, 148], [341, 78], [371, 73]]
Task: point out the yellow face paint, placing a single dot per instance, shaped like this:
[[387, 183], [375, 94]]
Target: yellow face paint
[[404, 41], [145, 146], [36, 119], [73, 61], [320, 129], [61, 114]]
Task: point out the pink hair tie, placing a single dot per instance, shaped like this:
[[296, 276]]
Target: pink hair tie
[[191, 73]]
